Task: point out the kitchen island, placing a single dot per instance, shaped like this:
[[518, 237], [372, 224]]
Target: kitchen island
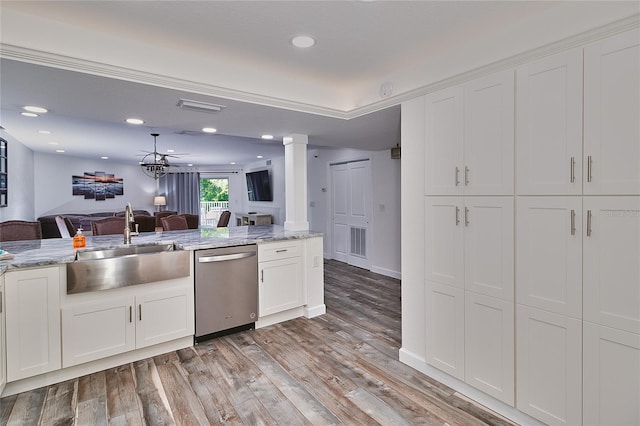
[[52, 336]]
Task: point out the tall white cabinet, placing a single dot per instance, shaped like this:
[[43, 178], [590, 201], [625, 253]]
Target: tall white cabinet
[[532, 243], [578, 234], [469, 233]]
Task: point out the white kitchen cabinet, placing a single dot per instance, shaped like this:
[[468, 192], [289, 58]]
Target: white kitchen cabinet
[[444, 115], [611, 382], [98, 329], [32, 322], [489, 346], [444, 240], [112, 322], [549, 125], [549, 366], [445, 328], [280, 277], [549, 254], [611, 111], [469, 132], [611, 254], [489, 135], [3, 357], [489, 246]]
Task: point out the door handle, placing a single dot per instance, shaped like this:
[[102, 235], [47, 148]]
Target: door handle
[[457, 215], [130, 313], [466, 175], [589, 167], [573, 222], [140, 312], [457, 176], [573, 170], [588, 223], [224, 257], [262, 275], [466, 216]]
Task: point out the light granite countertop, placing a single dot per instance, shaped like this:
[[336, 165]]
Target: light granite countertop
[[51, 251]]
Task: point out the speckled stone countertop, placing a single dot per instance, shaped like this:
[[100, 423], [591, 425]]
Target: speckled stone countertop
[[58, 250]]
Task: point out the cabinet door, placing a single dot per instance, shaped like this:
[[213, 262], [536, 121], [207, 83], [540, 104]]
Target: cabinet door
[[488, 246], [444, 239], [443, 138], [32, 322], [97, 330], [611, 376], [489, 346], [549, 366], [3, 358], [164, 315], [611, 111], [488, 135], [549, 254], [611, 254], [549, 125], [281, 285], [445, 328]]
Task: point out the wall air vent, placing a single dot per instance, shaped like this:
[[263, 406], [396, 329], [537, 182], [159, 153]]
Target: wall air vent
[[200, 106]]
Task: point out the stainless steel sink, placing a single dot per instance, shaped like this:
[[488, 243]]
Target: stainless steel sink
[[104, 269]]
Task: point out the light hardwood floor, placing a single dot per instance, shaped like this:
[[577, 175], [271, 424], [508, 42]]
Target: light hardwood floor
[[339, 368]]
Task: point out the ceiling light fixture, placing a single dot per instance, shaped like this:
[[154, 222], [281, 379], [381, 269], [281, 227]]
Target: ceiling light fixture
[[44, 132], [267, 137], [209, 129], [135, 121], [200, 106], [104, 157], [258, 156], [60, 150], [303, 41], [29, 114], [233, 162], [35, 109]]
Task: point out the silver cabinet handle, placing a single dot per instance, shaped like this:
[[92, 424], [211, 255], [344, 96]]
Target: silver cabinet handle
[[224, 257], [281, 251], [588, 223], [0, 303], [589, 160], [457, 176], [457, 215], [140, 312], [573, 169], [466, 216], [573, 222], [262, 275], [466, 175], [130, 313]]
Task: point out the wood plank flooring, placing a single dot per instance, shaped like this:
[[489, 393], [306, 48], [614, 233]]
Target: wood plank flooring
[[339, 368]]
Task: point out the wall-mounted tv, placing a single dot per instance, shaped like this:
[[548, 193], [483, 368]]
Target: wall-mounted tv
[[259, 186]]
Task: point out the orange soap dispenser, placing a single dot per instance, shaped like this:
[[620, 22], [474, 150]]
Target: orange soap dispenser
[[79, 240]]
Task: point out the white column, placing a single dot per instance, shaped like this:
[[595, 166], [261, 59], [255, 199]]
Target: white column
[[295, 165]]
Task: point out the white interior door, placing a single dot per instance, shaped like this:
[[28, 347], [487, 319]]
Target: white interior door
[[351, 189]]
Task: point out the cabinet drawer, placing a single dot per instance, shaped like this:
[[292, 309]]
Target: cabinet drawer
[[279, 250]]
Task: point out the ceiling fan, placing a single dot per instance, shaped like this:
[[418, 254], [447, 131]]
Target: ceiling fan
[[156, 164]]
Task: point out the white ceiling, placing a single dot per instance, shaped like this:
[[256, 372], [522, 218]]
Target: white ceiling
[[140, 57]]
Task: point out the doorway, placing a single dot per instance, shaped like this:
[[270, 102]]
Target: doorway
[[351, 212], [214, 199]]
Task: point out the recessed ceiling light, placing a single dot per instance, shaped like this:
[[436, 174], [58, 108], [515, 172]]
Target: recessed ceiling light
[[60, 150], [303, 41], [52, 143], [37, 109], [29, 114], [258, 156], [104, 157], [44, 132], [209, 129], [233, 162], [267, 137], [171, 150], [190, 165], [134, 121]]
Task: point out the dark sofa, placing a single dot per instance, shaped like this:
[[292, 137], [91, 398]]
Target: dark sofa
[[79, 220]]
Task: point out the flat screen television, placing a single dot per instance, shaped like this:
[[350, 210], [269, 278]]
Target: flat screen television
[[259, 186]]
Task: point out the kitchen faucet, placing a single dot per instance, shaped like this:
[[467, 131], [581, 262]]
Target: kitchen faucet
[[128, 220]]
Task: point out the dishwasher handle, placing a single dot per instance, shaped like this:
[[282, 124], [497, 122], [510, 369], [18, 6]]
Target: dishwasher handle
[[225, 257]]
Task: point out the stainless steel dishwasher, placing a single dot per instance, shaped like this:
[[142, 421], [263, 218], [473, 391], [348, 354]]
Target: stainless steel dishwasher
[[226, 290]]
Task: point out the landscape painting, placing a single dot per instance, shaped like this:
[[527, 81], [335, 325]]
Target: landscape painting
[[97, 186]]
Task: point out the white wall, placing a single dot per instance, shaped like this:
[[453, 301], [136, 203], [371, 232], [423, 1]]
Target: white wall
[[277, 207], [385, 203], [21, 198], [53, 192]]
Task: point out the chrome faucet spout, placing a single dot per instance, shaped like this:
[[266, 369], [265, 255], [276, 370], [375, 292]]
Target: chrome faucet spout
[[128, 220]]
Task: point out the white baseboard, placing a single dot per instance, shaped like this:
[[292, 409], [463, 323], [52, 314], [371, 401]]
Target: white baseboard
[[315, 311], [505, 410], [386, 272]]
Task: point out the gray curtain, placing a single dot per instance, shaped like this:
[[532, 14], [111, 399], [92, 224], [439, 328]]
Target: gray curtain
[[182, 191]]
